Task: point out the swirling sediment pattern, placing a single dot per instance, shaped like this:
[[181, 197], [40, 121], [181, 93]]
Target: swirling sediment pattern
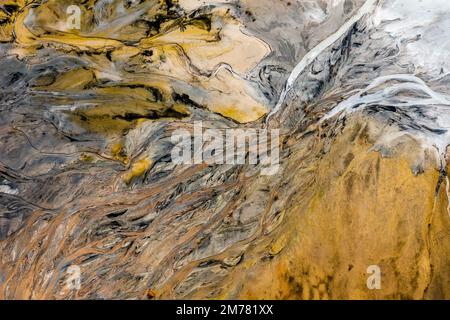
[[360, 92]]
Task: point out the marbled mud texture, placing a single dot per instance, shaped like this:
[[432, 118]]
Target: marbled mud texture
[[360, 91]]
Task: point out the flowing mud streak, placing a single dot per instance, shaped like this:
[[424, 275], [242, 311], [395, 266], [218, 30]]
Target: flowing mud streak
[[86, 177], [317, 50], [434, 125]]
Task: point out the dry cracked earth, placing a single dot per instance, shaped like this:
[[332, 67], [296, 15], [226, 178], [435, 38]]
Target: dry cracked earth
[[359, 91]]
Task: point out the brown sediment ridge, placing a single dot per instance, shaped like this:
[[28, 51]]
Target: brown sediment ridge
[[295, 237], [353, 208]]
